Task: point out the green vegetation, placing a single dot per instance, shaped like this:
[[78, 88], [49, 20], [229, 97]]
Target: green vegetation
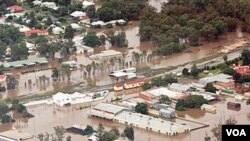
[[160, 81], [189, 22], [16, 107], [57, 136], [171, 48], [129, 133], [194, 71], [165, 100], [118, 40], [193, 101], [120, 9], [12, 37], [180, 105], [245, 55], [92, 40], [141, 108], [103, 135], [210, 88]]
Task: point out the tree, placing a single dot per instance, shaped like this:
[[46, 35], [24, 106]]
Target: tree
[[90, 11], [69, 32], [185, 72], [92, 40], [180, 105], [5, 118], [165, 100], [195, 101], [40, 137], [19, 51], [64, 2], [194, 70], [229, 71], [146, 86], [217, 130], [68, 138], [88, 69], [59, 131], [118, 40], [115, 131], [100, 132], [55, 74], [129, 133], [225, 58], [245, 57], [210, 88], [108, 136], [65, 69], [89, 129], [10, 35], [4, 108], [141, 108]]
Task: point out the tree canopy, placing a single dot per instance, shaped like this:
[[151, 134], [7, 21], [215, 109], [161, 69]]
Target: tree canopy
[[188, 22], [141, 108]]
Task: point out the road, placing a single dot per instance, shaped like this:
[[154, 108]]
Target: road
[[214, 62]]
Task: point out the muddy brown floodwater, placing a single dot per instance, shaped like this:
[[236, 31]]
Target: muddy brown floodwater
[[49, 116], [101, 78]]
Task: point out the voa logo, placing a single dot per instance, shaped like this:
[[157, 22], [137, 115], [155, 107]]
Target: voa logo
[[236, 132]]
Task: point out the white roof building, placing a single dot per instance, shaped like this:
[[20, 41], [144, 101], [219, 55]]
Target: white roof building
[[150, 123], [98, 23], [14, 135], [107, 54], [50, 5], [120, 21], [36, 2], [162, 91], [83, 48], [216, 78], [179, 87], [57, 30], [78, 14], [75, 26], [62, 99], [87, 3]]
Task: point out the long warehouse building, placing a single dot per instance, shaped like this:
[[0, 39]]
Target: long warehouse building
[[123, 115]]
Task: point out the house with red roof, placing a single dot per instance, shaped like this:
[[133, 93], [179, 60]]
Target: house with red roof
[[243, 70], [136, 83], [36, 32], [15, 9], [118, 86]]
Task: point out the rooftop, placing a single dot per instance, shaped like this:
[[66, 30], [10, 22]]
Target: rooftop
[[15, 135], [219, 78], [178, 86], [27, 62], [109, 108], [242, 70], [165, 91], [155, 124]]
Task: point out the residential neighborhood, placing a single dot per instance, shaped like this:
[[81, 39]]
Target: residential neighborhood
[[123, 70]]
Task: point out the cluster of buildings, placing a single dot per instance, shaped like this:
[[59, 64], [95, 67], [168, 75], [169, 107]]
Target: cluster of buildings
[[125, 116]]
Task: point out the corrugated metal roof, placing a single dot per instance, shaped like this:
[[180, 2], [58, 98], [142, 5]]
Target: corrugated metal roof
[[110, 108]]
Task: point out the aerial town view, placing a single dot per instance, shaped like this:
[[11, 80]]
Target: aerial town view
[[124, 70]]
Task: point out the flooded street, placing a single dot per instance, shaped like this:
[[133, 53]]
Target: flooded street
[[48, 116]]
